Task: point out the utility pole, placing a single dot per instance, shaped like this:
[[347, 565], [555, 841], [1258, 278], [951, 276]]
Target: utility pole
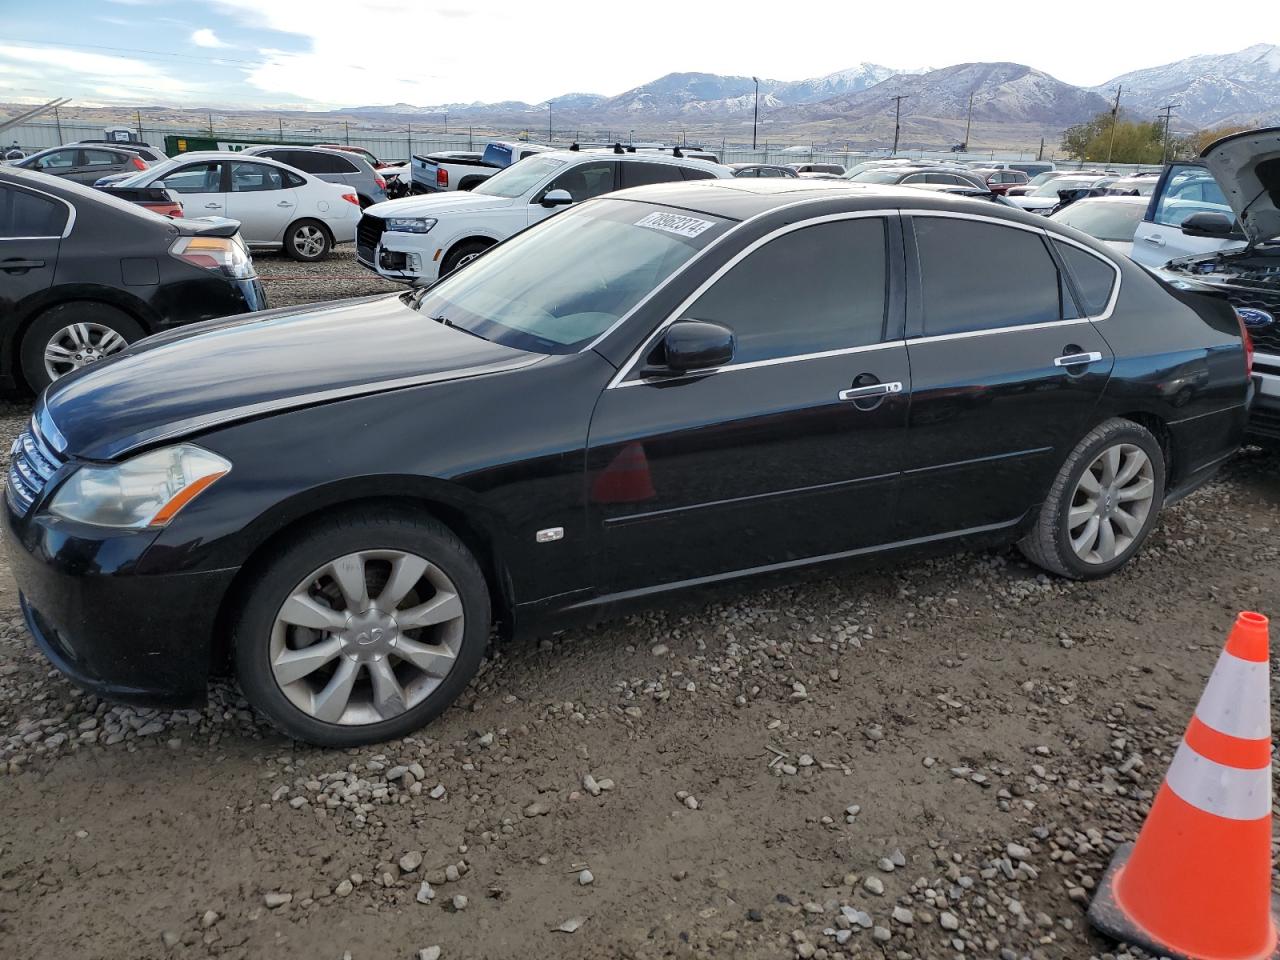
[[550, 135], [57, 118], [137, 114], [1168, 109], [280, 126], [210, 124], [1115, 120], [1040, 155], [755, 119], [968, 123], [897, 116], [446, 123], [346, 126]]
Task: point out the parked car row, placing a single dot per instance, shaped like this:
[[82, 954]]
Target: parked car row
[[614, 349]]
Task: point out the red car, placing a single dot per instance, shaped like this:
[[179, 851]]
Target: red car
[[1001, 180]]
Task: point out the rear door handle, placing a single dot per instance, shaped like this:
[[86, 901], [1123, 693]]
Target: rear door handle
[[1075, 359], [872, 390], [1154, 238], [284, 203], [213, 206], [20, 264]]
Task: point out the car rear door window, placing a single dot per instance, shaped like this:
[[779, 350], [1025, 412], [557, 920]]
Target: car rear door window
[[819, 288], [1094, 277], [24, 214], [1187, 190], [639, 174], [254, 177], [977, 275]]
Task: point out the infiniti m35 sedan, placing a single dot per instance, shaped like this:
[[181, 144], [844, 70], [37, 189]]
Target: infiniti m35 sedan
[[670, 386]]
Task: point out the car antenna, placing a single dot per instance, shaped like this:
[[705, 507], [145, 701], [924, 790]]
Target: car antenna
[[617, 148], [574, 146]]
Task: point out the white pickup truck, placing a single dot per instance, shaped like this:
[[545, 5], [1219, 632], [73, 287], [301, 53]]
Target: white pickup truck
[[462, 169], [418, 239]]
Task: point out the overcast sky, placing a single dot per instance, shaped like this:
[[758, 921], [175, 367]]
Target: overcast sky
[[426, 52]]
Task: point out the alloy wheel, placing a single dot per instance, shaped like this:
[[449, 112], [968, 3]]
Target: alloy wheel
[[1111, 503], [309, 241], [79, 345], [366, 637], [464, 260]]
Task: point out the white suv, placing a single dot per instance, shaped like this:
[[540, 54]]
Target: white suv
[[425, 237]]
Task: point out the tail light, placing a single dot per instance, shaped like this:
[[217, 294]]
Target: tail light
[[351, 198], [442, 177], [382, 184], [137, 163], [1248, 344], [219, 254]]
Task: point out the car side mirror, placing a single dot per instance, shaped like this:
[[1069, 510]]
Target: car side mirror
[[1207, 224], [557, 198], [689, 345]]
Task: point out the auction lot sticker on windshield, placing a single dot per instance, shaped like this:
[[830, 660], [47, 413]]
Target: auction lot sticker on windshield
[[675, 223]]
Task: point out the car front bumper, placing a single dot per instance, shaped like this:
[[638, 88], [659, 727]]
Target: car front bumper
[[410, 257], [122, 635]]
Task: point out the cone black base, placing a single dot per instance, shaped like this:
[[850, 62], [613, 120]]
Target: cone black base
[[1108, 918]]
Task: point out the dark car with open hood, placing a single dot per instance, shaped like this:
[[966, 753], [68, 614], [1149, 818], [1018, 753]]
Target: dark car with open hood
[[83, 274], [671, 386], [1246, 270]]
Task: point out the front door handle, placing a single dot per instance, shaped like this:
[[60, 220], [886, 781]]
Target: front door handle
[[1075, 359], [8, 265], [872, 390], [1154, 238], [213, 206], [284, 203]]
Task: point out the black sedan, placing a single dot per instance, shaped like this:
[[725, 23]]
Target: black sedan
[[83, 274], [671, 386]]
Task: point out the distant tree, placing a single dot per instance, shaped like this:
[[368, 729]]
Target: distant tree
[[1135, 141], [1196, 142]]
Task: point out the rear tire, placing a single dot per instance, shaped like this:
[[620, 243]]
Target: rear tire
[[361, 686], [463, 254], [70, 336], [1103, 503], [307, 241]]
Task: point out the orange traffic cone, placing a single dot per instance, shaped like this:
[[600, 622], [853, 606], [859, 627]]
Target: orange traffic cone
[[1197, 883]]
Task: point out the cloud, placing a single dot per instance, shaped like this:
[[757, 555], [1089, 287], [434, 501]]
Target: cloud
[[204, 37], [64, 68]]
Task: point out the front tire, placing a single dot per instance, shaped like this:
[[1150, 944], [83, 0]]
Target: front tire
[[307, 241], [73, 335], [362, 629], [463, 254], [1103, 503]]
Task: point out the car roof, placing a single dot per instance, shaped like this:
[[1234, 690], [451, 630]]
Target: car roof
[[255, 149], [1118, 198], [227, 155], [119, 148], [646, 156], [739, 198]]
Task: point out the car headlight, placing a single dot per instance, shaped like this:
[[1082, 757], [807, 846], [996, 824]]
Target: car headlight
[[409, 224], [147, 491]]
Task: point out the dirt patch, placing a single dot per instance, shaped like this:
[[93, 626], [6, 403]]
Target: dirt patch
[[946, 750]]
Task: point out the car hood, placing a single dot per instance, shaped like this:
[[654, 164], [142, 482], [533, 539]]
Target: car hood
[[208, 374], [435, 204], [1247, 167]]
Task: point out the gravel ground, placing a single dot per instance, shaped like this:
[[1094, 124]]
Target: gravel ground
[[928, 760]]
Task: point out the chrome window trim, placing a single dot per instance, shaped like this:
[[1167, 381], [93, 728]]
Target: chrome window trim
[[678, 313], [1048, 237], [71, 210], [692, 260]]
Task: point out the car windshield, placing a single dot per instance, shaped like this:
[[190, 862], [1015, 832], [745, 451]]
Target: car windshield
[[558, 286], [1051, 188], [891, 175], [1102, 219], [518, 178]]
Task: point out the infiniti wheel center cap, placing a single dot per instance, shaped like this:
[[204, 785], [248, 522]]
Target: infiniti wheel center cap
[[369, 635]]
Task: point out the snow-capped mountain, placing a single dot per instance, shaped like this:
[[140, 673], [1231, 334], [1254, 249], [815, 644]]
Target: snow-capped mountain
[[1008, 92], [837, 84], [1240, 87]]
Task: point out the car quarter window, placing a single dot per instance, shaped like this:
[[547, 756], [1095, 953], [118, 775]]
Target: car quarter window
[[195, 178], [253, 177], [24, 214], [639, 174], [821, 287], [585, 180], [694, 173], [978, 275], [1095, 278]]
